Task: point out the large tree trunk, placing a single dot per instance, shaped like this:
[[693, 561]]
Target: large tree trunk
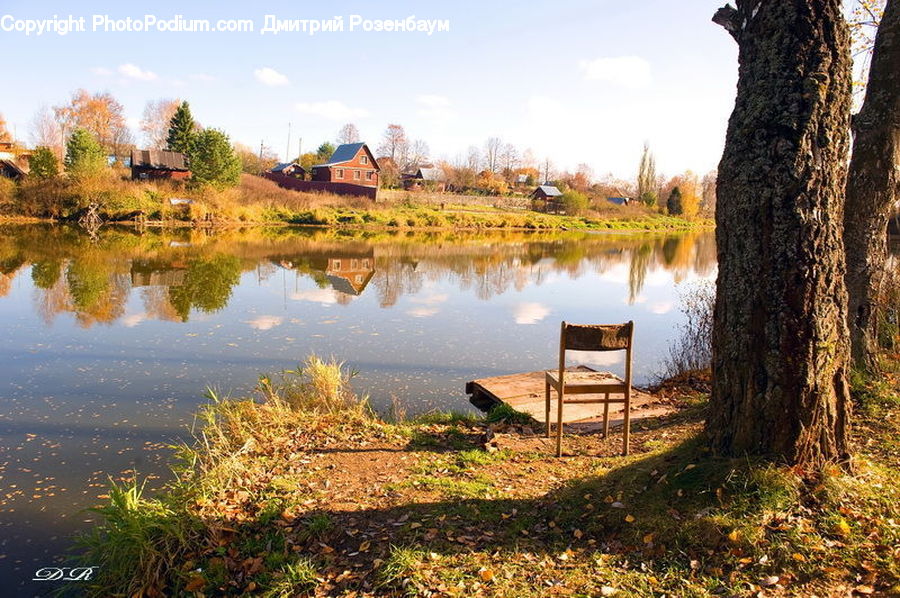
[[780, 340], [872, 188]]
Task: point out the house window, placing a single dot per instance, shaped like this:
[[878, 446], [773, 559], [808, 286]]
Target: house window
[[369, 175], [336, 265], [356, 175], [363, 159], [339, 173]]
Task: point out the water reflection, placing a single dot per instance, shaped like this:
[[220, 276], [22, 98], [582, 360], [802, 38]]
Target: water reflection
[[178, 275]]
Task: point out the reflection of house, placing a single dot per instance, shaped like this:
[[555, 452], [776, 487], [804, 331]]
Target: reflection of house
[[350, 163], [159, 164], [146, 273], [289, 169], [350, 274]]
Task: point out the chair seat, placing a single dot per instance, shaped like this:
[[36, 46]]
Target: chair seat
[[588, 383]]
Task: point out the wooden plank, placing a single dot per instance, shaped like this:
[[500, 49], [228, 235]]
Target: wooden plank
[[525, 392]]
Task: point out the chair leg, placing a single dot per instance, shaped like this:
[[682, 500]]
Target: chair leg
[[606, 416], [559, 421], [547, 407], [627, 422]]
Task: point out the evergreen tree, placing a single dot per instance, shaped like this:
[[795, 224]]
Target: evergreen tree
[[42, 163], [673, 204], [182, 130], [213, 160], [84, 156], [324, 152]]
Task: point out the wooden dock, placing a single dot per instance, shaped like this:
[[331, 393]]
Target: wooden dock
[[525, 393]]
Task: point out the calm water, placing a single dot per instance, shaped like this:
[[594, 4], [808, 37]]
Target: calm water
[[108, 343]]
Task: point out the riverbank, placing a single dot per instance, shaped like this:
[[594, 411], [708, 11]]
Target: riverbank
[[302, 490], [257, 201]]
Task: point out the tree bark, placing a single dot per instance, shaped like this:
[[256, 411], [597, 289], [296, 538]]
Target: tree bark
[[872, 188], [780, 339]]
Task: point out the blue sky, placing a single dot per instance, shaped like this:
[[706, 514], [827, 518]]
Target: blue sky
[[573, 80]]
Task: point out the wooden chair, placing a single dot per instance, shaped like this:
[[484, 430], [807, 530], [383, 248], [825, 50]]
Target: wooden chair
[[575, 337]]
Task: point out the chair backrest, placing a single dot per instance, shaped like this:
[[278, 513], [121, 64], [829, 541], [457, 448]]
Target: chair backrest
[[597, 337]]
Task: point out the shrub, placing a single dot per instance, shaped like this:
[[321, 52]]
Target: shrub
[[84, 156], [7, 194], [213, 161], [574, 202]]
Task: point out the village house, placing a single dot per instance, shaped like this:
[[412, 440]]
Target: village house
[[13, 161], [159, 164], [547, 193], [619, 201], [425, 177], [351, 163], [291, 169]]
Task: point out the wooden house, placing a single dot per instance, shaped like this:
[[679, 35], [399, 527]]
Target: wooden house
[[159, 164], [291, 169], [351, 163]]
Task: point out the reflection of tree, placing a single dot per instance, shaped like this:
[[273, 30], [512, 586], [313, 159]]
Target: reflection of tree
[[637, 270], [45, 273], [98, 292], [207, 285]]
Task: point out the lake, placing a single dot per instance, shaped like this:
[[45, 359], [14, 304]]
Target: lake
[[109, 341]]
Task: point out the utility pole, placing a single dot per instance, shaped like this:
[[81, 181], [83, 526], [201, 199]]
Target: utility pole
[[300, 148], [260, 150], [287, 153]]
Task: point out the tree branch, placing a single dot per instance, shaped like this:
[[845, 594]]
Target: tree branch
[[729, 18]]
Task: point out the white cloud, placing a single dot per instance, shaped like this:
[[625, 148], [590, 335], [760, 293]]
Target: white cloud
[[530, 313], [632, 72], [265, 322], [101, 71], [434, 107], [271, 77], [331, 109], [132, 71], [323, 296]]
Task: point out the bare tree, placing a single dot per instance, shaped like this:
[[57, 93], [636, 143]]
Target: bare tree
[[418, 154], [509, 158], [473, 159], [492, 148], [394, 144], [348, 134], [45, 131], [155, 121]]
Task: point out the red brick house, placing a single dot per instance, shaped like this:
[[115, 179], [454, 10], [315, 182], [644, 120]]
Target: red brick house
[[351, 163]]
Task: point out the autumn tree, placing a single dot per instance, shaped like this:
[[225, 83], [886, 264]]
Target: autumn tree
[[646, 179], [99, 114], [182, 130], [689, 187], [873, 185], [255, 161], [156, 120], [780, 341], [5, 136], [394, 143], [708, 194], [348, 134]]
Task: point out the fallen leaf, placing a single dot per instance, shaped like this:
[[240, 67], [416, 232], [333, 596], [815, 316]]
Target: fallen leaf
[[485, 574], [629, 518]]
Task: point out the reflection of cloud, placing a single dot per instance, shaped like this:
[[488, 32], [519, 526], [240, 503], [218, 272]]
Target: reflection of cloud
[[660, 307], [602, 358], [324, 296], [265, 322], [132, 320], [530, 313], [430, 299], [422, 312]]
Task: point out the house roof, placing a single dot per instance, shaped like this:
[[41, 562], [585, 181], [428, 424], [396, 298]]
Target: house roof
[[159, 160], [281, 166], [345, 153], [549, 190], [522, 178], [430, 174], [10, 166]]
